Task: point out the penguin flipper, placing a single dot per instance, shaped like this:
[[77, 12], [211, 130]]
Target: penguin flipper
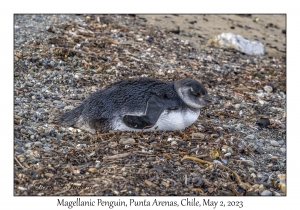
[[155, 106]]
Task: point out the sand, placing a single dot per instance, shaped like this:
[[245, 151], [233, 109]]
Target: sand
[[198, 29]]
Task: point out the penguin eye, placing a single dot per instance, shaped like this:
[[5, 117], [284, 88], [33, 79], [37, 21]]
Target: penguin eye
[[194, 93]]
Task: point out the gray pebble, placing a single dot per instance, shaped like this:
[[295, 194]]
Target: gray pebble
[[78, 76], [283, 150], [68, 107], [33, 160], [20, 150], [248, 163], [29, 84], [98, 165], [23, 131], [58, 137], [52, 63], [217, 162], [68, 68], [250, 137], [276, 193], [19, 143], [57, 102], [38, 144], [30, 132], [281, 142], [197, 166], [265, 193], [259, 91], [282, 95], [28, 145], [240, 126], [48, 131], [274, 143], [47, 149], [225, 161], [60, 106]]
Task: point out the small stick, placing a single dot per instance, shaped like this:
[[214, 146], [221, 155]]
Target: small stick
[[202, 156], [57, 193], [116, 156], [238, 179], [68, 143], [148, 126], [103, 134], [19, 162], [199, 190]]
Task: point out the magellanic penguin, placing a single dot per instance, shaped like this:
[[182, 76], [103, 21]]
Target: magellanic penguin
[[136, 104]]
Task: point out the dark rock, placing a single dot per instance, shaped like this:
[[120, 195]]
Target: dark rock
[[263, 122], [33, 174], [193, 22], [175, 31], [143, 19], [55, 98], [258, 150], [152, 138], [201, 36], [103, 58]]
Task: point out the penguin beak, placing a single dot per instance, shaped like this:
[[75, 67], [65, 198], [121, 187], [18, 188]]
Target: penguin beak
[[208, 98], [211, 99]]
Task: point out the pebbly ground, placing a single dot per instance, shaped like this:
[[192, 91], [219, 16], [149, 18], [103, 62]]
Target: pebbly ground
[[241, 142]]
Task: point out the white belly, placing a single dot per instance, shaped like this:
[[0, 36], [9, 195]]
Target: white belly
[[168, 121]]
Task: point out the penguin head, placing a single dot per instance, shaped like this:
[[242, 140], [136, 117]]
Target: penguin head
[[193, 93]]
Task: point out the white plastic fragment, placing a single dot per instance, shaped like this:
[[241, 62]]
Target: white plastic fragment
[[268, 89], [230, 40]]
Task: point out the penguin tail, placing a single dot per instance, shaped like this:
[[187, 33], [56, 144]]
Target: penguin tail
[[71, 117]]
